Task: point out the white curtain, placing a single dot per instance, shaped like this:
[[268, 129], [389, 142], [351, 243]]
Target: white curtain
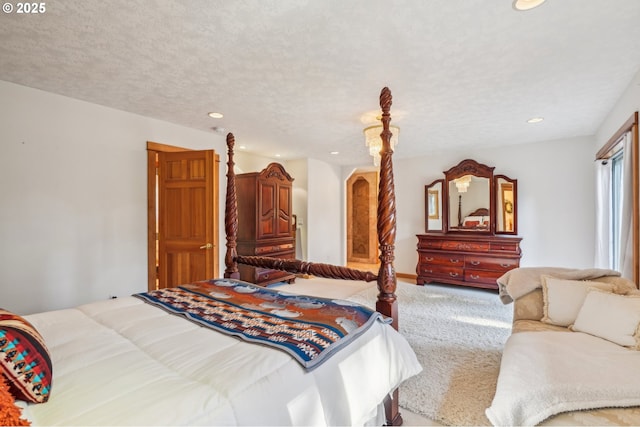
[[603, 258], [626, 211]]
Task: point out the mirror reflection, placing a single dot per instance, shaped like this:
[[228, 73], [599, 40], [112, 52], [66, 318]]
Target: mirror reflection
[[433, 206], [505, 202], [469, 203]]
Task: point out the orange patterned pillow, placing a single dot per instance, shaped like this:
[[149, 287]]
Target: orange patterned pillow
[[24, 359], [9, 412]]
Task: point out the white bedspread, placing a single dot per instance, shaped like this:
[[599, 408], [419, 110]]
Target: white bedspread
[[545, 373], [124, 362]]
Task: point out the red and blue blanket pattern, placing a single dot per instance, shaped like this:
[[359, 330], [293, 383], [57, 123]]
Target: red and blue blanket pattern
[[310, 329]]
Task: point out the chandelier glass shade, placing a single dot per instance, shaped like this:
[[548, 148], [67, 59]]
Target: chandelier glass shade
[[373, 140], [462, 183]]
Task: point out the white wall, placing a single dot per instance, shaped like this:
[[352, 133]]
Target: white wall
[[325, 213], [73, 212], [628, 104], [299, 169], [555, 199], [247, 162]]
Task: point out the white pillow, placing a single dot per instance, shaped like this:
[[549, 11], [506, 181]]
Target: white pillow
[[563, 298], [610, 316]]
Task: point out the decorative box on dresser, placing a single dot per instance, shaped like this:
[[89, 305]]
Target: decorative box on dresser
[[265, 215], [471, 224], [468, 260]]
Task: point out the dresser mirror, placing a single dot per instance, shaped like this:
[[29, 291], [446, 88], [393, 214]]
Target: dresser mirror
[[470, 199], [433, 206], [506, 212], [469, 196], [469, 204]]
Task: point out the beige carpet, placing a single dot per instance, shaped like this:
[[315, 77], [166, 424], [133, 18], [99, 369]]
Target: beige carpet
[[458, 335]]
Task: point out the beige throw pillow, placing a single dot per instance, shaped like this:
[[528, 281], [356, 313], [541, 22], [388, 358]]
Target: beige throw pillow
[[563, 298], [613, 317]]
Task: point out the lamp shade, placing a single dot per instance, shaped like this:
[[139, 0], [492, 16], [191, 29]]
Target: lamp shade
[[373, 140]]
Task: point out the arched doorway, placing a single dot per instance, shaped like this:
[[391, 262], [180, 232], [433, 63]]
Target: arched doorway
[[362, 200]]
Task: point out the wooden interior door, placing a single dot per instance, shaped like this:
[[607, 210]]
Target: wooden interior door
[[186, 212], [362, 202]]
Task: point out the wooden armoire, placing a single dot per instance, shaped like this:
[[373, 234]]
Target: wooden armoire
[[265, 221]]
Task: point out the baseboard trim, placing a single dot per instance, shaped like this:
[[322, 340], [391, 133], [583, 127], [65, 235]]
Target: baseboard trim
[[407, 276]]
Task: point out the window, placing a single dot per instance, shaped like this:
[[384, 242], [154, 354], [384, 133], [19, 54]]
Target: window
[[616, 208], [617, 203]]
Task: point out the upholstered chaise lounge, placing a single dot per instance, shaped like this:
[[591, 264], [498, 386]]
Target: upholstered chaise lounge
[[572, 357]]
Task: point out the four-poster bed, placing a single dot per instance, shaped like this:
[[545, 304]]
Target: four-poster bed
[[126, 362], [386, 229]]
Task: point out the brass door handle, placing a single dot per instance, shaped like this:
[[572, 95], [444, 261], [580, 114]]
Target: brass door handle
[[207, 246]]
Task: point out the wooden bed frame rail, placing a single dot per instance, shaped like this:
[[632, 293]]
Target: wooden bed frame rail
[[315, 269]]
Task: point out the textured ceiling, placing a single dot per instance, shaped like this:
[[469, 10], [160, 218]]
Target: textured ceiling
[[302, 77]]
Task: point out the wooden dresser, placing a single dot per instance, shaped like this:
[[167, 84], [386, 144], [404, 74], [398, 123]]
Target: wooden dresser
[[265, 221], [471, 226], [466, 259]]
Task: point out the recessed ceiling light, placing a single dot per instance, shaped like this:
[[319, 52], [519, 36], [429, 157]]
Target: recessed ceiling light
[[334, 153], [535, 120], [526, 4], [243, 147], [216, 115], [277, 155]]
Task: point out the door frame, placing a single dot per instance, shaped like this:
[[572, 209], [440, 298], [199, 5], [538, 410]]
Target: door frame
[[372, 179], [153, 148]]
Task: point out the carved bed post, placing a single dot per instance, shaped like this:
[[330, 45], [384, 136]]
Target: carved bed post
[[387, 281], [231, 215], [386, 303]]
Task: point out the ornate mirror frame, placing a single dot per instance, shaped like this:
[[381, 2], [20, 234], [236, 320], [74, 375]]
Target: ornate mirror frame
[[468, 170], [497, 201]]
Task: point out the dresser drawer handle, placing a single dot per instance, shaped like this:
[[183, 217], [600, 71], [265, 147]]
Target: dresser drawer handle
[[454, 261], [428, 271], [474, 277], [453, 274], [475, 262], [429, 258], [505, 265]]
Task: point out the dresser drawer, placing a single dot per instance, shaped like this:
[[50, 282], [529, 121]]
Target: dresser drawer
[[266, 275], [429, 244], [505, 247], [466, 246], [434, 258], [264, 250], [442, 271], [490, 263], [481, 276]]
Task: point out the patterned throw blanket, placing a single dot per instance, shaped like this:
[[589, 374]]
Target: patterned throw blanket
[[310, 329]]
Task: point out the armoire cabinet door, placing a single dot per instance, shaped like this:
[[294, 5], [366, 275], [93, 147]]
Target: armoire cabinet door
[[267, 209]]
